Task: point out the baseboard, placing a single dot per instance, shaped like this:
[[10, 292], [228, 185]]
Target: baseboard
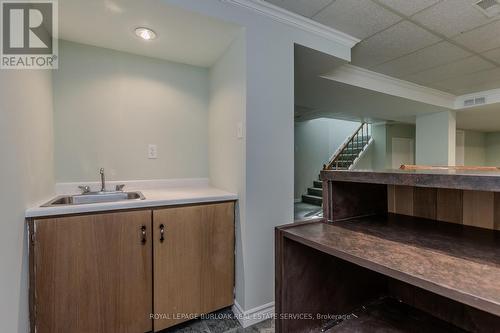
[[253, 316]]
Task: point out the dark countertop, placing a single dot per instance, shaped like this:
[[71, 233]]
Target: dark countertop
[[455, 261], [451, 179]]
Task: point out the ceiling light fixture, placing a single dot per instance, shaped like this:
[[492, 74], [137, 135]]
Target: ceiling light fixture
[[145, 33]]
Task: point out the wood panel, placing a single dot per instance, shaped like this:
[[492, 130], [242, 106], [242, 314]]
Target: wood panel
[[478, 209], [404, 200], [391, 198], [194, 266], [474, 208], [425, 202], [449, 205], [93, 274], [313, 287], [497, 211], [348, 200], [217, 270], [454, 261]]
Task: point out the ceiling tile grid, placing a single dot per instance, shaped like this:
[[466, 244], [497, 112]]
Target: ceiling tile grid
[[493, 55], [307, 8], [483, 80], [444, 44], [423, 59], [452, 17], [481, 39], [408, 7], [362, 18], [398, 40], [455, 69]]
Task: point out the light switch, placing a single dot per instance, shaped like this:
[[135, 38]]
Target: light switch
[[152, 151], [239, 130]]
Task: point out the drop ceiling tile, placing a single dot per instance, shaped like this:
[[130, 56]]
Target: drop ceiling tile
[[452, 17], [493, 55], [302, 7], [458, 68], [423, 59], [487, 85], [359, 18], [481, 39], [400, 39], [408, 7], [479, 81]]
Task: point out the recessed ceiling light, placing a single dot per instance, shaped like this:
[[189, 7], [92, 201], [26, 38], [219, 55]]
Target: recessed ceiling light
[[145, 33]]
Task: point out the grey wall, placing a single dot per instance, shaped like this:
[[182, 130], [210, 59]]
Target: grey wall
[[27, 176], [269, 153], [492, 144], [226, 150], [315, 142], [379, 152], [406, 131], [474, 148], [436, 138], [110, 105]]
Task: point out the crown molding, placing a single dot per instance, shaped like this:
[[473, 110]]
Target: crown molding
[[371, 80], [284, 16]]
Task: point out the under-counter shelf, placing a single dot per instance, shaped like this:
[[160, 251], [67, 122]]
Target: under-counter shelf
[[455, 261], [391, 315]]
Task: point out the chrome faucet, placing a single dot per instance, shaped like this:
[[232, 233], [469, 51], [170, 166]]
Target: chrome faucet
[[103, 180]]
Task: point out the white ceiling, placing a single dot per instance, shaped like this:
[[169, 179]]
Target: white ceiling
[[317, 97], [484, 118], [444, 44], [183, 36]]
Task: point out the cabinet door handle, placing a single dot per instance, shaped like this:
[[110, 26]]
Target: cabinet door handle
[[143, 235], [162, 233]]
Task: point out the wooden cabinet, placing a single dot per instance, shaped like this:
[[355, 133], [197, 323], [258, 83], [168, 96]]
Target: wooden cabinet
[[194, 263], [93, 273], [109, 272]]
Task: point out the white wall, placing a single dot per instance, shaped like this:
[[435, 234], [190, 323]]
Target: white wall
[[27, 176], [110, 105], [435, 139], [492, 146], [475, 148], [269, 155], [226, 150], [315, 142]]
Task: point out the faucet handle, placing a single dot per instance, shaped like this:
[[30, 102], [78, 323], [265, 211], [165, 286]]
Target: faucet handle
[[119, 188], [84, 189]]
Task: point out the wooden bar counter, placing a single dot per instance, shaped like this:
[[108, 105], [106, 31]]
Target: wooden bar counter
[[402, 251]]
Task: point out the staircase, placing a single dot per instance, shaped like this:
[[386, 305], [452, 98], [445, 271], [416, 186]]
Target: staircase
[[344, 159], [314, 194]]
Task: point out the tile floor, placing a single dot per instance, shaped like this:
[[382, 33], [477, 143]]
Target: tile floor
[[304, 211], [221, 322]]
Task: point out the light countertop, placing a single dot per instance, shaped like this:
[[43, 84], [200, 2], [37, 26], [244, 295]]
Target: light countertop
[[161, 194]]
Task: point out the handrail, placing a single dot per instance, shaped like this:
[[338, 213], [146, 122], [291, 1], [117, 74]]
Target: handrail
[[350, 141]]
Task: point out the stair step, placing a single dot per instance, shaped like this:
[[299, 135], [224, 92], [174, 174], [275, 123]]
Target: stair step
[[342, 163], [318, 184], [312, 199], [315, 191]]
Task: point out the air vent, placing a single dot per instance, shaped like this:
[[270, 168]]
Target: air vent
[[469, 102], [490, 8], [475, 101], [479, 100]]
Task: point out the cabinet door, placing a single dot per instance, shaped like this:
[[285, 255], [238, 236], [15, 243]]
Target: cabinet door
[[93, 273], [194, 264]]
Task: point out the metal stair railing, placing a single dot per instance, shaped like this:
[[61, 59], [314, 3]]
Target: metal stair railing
[[353, 146]]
